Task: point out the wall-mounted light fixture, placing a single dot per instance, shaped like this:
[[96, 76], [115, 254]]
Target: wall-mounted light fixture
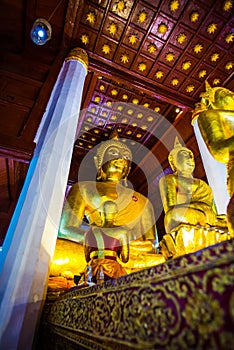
[[41, 30]]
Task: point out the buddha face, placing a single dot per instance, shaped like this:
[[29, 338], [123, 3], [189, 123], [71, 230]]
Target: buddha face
[[116, 163], [224, 99], [185, 163]]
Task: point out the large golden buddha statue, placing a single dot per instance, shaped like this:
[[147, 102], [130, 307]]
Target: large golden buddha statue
[[135, 212], [215, 115], [189, 207], [86, 198]]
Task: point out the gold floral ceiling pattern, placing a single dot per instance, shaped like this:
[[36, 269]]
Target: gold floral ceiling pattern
[[165, 41], [172, 45]]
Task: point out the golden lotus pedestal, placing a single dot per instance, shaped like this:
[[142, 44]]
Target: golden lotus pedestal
[[188, 238], [185, 303]]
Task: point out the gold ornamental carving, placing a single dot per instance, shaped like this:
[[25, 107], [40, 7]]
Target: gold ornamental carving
[[79, 55]]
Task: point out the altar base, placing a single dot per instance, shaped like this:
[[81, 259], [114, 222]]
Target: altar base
[[184, 303]]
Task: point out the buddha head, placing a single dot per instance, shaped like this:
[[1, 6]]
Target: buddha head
[[113, 160], [218, 98], [181, 160]]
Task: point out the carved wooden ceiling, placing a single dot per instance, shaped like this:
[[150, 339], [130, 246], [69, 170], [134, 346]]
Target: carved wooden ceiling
[[148, 61]]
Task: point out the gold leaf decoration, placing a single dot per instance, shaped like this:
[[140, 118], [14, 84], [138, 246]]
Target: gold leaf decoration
[[121, 5], [186, 65], [114, 92], [85, 39], [174, 82], [229, 65], [194, 315], [106, 49], [142, 66], [227, 5], [151, 48], [159, 74], [144, 127], [150, 118], [124, 58], [109, 103], [139, 115], [146, 105], [202, 73], [194, 16], [170, 57], [142, 16], [190, 88], [134, 124], [112, 29], [229, 38], [93, 109], [162, 28], [113, 117], [198, 48], [181, 38], [132, 39], [124, 120], [174, 5], [214, 57], [135, 101], [91, 17], [130, 111], [102, 87], [97, 99], [125, 97], [216, 81], [211, 29], [157, 109]]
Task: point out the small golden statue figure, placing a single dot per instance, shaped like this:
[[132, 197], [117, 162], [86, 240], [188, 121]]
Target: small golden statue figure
[[215, 115], [190, 212], [104, 245]]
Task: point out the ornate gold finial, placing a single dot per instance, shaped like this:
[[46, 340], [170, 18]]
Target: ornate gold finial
[[113, 141], [79, 55], [172, 157]]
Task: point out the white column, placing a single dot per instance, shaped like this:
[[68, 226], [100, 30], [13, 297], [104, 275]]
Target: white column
[[215, 172], [30, 242]]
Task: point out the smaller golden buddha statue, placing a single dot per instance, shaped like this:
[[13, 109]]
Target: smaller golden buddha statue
[[215, 115], [189, 206], [104, 245]]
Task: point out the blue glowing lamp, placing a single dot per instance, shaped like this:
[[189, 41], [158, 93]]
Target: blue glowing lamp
[[41, 31]]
